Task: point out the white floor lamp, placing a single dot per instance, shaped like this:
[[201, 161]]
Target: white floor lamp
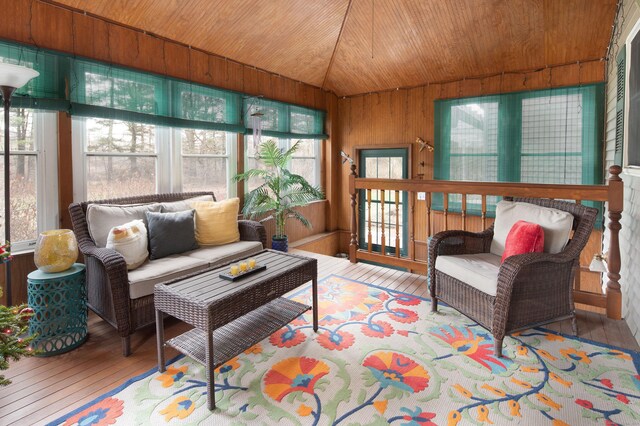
[[12, 77]]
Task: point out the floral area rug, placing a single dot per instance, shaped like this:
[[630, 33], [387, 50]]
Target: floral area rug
[[380, 357]]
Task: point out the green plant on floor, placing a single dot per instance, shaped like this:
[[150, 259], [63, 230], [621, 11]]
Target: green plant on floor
[[280, 191], [14, 341]]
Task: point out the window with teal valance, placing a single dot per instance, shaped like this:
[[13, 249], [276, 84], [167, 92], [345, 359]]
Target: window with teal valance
[[48, 90], [549, 136], [281, 120], [93, 89]]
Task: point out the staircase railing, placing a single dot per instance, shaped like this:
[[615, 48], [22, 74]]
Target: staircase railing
[[439, 215]]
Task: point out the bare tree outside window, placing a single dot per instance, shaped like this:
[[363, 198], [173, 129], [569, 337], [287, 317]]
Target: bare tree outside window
[[23, 169]]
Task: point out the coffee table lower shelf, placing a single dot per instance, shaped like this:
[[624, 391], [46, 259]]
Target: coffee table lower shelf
[[240, 334]]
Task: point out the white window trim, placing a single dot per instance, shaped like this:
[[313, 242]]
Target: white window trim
[[45, 124], [168, 157], [286, 144], [633, 170], [230, 156]]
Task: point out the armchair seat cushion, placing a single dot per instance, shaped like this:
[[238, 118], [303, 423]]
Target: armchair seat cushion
[[143, 279], [476, 270], [219, 255]]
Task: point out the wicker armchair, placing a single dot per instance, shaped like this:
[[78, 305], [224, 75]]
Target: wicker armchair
[[106, 271], [532, 289]]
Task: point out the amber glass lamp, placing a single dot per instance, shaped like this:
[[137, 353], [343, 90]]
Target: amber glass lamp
[[56, 250]]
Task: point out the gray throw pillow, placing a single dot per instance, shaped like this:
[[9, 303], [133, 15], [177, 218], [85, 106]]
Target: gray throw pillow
[[171, 233]]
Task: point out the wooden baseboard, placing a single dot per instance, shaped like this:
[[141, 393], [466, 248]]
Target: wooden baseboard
[[327, 243]]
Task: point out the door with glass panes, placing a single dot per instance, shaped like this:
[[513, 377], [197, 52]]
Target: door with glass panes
[[387, 163]]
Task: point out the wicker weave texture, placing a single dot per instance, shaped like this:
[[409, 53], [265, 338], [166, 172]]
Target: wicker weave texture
[[533, 288]]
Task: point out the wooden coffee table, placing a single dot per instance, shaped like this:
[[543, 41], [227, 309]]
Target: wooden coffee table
[[230, 317]]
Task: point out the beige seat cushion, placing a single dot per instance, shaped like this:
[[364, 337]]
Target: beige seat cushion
[[102, 217], [143, 279], [218, 255], [556, 224], [480, 271]]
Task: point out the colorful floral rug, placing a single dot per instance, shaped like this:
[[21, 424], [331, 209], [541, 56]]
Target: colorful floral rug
[[380, 357]]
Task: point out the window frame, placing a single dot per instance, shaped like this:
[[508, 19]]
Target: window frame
[[177, 161], [168, 156], [510, 130], [46, 153], [285, 144], [632, 169]]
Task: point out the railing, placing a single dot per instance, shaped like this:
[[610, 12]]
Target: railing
[[374, 192]]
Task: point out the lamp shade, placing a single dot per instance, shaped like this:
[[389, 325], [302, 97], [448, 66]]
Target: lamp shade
[[16, 75]]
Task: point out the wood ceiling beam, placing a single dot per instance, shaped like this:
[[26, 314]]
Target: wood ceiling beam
[[335, 48]]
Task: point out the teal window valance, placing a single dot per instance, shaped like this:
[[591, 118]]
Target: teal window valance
[[93, 89], [282, 120]]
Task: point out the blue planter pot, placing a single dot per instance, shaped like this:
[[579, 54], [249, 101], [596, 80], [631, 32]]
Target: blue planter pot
[[280, 244]]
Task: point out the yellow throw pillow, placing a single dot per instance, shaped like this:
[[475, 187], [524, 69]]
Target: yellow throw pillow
[[217, 222]]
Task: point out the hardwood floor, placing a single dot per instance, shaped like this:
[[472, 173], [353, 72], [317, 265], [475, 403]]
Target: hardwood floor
[[44, 389]]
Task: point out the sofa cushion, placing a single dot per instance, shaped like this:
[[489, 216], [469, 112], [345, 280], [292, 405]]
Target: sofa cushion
[[217, 222], [130, 240], [171, 233], [524, 237], [556, 224], [102, 217], [218, 255], [480, 270], [182, 205], [143, 279]]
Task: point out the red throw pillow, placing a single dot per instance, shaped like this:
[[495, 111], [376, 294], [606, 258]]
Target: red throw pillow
[[524, 237]]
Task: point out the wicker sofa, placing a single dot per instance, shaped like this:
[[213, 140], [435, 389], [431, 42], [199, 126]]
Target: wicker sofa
[[531, 289], [109, 284]]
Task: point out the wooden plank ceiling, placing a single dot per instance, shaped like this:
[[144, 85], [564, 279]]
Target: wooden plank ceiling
[[360, 46]]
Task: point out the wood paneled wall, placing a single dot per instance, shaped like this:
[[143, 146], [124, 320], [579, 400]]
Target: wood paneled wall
[[45, 25], [399, 116]]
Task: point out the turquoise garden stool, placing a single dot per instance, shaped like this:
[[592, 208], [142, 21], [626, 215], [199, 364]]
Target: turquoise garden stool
[[59, 303]]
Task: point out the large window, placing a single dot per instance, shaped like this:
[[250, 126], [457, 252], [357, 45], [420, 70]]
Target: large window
[[305, 162], [116, 158], [34, 177], [207, 161], [547, 136]]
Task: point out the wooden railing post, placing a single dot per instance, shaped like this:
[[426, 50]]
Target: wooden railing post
[[353, 244], [616, 202]]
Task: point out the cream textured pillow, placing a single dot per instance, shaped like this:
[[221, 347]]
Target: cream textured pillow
[[556, 224], [130, 240], [217, 222]]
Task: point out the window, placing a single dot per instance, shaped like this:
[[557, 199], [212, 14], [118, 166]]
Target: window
[[387, 163], [547, 136], [629, 91], [116, 158], [208, 161], [34, 175], [305, 162]]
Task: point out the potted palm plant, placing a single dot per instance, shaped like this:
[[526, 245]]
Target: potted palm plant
[[279, 193]]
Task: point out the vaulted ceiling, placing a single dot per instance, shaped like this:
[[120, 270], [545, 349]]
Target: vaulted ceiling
[[359, 46]]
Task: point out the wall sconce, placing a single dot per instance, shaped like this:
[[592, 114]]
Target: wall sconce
[[599, 263], [424, 145], [346, 157]]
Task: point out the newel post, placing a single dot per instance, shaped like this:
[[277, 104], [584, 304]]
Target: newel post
[[616, 201], [353, 244]]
